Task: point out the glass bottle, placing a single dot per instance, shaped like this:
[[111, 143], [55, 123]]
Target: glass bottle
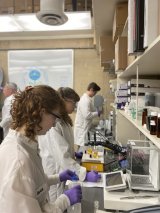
[[153, 127], [154, 116], [158, 126], [144, 115]]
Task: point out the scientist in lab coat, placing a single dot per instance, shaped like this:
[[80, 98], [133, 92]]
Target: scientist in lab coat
[[57, 146], [9, 90], [84, 116], [23, 183]]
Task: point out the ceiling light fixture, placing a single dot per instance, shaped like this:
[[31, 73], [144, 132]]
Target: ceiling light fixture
[[52, 12], [29, 23]]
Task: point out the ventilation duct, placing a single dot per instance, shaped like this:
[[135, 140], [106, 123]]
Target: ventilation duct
[[52, 12]]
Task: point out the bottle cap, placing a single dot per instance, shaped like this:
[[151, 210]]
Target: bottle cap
[[74, 178], [145, 109]]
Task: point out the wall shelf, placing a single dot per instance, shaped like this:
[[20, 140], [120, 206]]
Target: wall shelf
[[138, 125], [148, 62]]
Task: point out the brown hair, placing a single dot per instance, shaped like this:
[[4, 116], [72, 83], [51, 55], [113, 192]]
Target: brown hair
[[27, 106], [93, 86], [68, 93]]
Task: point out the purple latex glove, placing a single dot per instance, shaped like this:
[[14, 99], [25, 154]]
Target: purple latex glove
[[92, 176], [79, 155], [74, 194], [67, 175]]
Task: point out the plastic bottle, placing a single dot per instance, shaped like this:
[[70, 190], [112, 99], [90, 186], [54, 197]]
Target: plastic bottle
[[158, 126], [76, 208], [126, 108]]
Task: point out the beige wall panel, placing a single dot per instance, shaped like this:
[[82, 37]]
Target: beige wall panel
[[40, 44], [87, 69]]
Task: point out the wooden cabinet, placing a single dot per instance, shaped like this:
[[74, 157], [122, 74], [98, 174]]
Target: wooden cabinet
[[106, 51], [121, 53]]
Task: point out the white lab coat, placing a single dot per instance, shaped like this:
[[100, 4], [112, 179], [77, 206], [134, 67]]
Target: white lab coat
[[83, 121], [6, 116], [57, 152], [23, 184]]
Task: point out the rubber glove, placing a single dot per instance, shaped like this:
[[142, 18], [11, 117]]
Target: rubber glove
[[74, 194], [67, 175], [92, 176], [79, 155], [123, 164]]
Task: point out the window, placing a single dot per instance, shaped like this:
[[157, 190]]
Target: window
[[33, 67]]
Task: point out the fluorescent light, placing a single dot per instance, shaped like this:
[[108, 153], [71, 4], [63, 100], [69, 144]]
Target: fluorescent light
[[29, 22]]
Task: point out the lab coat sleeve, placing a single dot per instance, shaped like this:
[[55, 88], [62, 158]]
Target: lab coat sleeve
[[60, 205], [53, 179], [6, 115], [86, 110], [6, 122], [19, 196], [60, 146]]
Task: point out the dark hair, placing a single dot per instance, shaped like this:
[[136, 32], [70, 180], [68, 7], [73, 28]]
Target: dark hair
[[27, 106], [93, 86], [68, 93]]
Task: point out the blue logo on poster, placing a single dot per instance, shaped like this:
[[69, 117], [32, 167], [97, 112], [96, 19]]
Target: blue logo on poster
[[34, 75]]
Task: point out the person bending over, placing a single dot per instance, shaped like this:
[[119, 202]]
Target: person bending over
[[23, 183], [59, 153]]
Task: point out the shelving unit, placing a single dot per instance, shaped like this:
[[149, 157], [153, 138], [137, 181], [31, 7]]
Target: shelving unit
[[148, 63], [137, 124], [145, 65]]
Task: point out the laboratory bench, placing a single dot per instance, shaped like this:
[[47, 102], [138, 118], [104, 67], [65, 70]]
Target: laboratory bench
[[116, 201], [92, 194], [89, 196]]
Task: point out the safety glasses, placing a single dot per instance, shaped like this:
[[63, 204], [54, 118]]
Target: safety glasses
[[55, 115], [71, 101]]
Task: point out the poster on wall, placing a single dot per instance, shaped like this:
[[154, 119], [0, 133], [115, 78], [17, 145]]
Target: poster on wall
[[34, 67]]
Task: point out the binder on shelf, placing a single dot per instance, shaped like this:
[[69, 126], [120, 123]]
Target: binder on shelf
[[138, 26]]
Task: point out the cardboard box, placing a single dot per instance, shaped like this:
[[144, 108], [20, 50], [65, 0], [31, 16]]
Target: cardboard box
[[106, 50], [120, 16], [23, 6], [121, 53]]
